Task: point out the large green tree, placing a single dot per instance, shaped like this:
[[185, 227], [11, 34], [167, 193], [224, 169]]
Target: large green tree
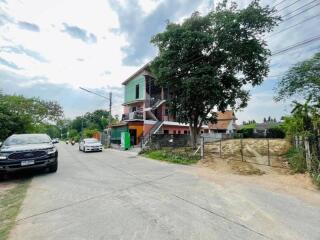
[[302, 80], [19, 114], [205, 61]]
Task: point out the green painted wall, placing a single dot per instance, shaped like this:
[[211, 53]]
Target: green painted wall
[[130, 89], [116, 132]]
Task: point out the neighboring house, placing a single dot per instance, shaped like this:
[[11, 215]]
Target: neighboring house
[[226, 123], [145, 109]]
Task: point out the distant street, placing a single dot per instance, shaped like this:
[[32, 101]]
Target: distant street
[[118, 195]]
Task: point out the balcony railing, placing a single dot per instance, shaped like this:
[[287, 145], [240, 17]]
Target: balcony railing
[[132, 116]]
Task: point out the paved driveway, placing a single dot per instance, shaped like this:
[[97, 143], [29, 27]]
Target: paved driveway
[[117, 195]]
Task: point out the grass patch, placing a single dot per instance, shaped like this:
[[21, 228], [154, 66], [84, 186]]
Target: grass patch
[[10, 203], [316, 179], [178, 156], [296, 160]]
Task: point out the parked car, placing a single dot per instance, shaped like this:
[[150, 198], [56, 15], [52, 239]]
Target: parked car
[[90, 145], [25, 151]]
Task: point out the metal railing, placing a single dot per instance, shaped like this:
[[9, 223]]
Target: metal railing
[[137, 115]]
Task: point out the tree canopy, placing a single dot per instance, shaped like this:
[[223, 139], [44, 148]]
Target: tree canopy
[[205, 61], [302, 80], [19, 114]]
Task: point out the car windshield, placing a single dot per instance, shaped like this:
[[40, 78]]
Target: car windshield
[[27, 139], [91, 140]]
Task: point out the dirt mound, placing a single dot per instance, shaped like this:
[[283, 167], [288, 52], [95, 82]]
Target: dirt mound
[[253, 150]]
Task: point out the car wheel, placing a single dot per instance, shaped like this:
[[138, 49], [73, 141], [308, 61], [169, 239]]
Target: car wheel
[[79, 148], [54, 167], [84, 149]]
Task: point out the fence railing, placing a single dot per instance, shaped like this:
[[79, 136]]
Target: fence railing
[[311, 147], [261, 151]]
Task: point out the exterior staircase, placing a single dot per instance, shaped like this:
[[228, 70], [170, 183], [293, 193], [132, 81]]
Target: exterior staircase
[[155, 129]]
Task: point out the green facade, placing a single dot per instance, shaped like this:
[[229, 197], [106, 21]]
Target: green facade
[[116, 132], [130, 89]]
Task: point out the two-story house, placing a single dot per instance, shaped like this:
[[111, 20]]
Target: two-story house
[[145, 109]]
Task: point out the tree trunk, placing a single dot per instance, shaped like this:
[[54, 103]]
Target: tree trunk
[[194, 130]]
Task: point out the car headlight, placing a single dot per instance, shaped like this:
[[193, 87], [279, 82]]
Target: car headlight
[[51, 151], [3, 156]]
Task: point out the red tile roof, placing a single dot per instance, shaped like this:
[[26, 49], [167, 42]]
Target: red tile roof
[[224, 119]]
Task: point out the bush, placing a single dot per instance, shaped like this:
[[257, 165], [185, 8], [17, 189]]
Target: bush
[[169, 155], [89, 133], [297, 160], [276, 132], [247, 132]]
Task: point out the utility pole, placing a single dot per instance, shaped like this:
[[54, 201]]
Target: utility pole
[[110, 107]]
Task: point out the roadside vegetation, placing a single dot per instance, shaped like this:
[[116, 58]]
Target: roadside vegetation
[[87, 125], [302, 127], [184, 156], [10, 203], [296, 160], [19, 114]]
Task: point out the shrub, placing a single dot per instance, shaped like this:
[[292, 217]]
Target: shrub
[[247, 132], [276, 132], [169, 155], [297, 160], [89, 133]]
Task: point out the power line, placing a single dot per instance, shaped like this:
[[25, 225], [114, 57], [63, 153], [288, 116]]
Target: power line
[[301, 12], [279, 3], [296, 45], [289, 5], [100, 95], [299, 8], [285, 29]]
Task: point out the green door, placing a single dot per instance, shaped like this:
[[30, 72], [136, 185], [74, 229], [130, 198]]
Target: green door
[[125, 140]]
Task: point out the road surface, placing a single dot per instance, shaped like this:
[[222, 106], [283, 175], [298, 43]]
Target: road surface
[[118, 195]]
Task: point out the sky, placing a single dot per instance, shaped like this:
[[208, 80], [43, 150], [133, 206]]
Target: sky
[[49, 49]]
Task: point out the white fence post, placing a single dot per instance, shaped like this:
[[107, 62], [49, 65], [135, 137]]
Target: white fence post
[[202, 147], [308, 153]]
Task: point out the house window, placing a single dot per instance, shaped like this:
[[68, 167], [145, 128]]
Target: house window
[[174, 131], [134, 109], [166, 131], [185, 132], [166, 112], [137, 91], [179, 132]]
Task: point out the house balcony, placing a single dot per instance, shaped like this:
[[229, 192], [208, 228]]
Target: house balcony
[[137, 115]]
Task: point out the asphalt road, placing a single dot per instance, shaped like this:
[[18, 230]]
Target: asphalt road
[[118, 195]]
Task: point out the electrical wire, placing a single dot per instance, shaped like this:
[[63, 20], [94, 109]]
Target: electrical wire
[[288, 6], [296, 45], [299, 8], [301, 12], [279, 3], [285, 29]]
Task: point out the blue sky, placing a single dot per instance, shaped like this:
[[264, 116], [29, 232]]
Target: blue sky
[[49, 48]]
